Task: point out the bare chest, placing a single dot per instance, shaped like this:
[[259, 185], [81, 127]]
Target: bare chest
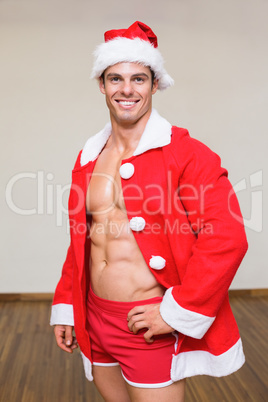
[[104, 193]]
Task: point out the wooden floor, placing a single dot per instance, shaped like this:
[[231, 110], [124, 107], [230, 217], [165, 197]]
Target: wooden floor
[[33, 369]]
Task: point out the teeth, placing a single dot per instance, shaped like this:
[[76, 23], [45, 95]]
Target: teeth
[[127, 103]]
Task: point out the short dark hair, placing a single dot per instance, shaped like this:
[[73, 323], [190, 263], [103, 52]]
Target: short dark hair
[[152, 74]]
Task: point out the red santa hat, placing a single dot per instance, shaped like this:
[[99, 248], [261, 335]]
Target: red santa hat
[[137, 44]]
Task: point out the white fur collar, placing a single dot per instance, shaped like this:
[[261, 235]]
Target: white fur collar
[[157, 133]]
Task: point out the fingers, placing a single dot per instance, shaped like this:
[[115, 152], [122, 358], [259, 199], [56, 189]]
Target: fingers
[[148, 317], [136, 326], [134, 311], [64, 338], [68, 335], [148, 336], [74, 344], [139, 318], [59, 331], [136, 321]]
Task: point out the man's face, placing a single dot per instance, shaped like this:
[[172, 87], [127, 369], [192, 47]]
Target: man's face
[[128, 90]]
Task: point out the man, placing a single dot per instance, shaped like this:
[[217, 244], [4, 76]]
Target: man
[[154, 241]]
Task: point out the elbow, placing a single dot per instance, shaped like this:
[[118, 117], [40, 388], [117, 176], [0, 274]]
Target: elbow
[[245, 245], [240, 243], [242, 240]]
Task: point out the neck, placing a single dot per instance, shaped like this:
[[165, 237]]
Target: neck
[[126, 135]]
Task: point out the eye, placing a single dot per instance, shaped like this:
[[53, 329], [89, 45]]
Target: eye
[[139, 79], [114, 79]]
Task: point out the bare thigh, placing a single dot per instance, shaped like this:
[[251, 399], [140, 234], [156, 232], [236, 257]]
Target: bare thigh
[[113, 388], [174, 392], [110, 383]]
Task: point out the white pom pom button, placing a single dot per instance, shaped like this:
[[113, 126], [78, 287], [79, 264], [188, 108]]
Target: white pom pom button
[[137, 223], [157, 262], [126, 170]]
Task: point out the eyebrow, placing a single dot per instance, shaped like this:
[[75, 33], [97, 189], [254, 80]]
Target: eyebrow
[[133, 76]]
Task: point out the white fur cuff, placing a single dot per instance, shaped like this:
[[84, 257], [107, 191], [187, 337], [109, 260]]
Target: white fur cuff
[[87, 367], [185, 321], [62, 314], [201, 362]]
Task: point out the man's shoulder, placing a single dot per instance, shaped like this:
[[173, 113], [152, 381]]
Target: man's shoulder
[[182, 141], [182, 138], [179, 134], [185, 148]]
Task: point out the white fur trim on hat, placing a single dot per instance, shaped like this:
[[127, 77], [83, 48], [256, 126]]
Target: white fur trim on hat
[[135, 50]]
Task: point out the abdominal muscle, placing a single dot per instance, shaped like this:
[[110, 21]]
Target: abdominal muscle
[[118, 269]]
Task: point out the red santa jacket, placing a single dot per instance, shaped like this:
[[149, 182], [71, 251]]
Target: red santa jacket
[[186, 220]]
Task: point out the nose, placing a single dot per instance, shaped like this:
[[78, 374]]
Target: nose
[[127, 88]]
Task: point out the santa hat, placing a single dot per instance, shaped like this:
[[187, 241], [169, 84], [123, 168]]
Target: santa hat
[[137, 44]]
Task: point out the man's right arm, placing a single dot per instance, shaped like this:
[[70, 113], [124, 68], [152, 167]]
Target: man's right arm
[[62, 308], [62, 305], [62, 317]]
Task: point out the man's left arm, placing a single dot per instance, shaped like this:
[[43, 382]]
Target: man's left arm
[[214, 215]]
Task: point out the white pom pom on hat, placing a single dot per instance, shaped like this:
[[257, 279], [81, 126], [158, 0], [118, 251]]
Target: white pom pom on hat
[[137, 44]]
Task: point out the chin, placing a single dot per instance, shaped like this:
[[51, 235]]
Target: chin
[[127, 117]]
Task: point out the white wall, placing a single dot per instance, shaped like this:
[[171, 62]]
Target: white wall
[[216, 52]]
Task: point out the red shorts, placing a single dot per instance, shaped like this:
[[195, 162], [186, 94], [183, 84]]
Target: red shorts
[[143, 365]]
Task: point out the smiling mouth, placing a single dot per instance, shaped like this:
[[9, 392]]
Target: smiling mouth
[[127, 103]]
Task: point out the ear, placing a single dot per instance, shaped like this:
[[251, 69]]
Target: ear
[[101, 85], [154, 87]]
